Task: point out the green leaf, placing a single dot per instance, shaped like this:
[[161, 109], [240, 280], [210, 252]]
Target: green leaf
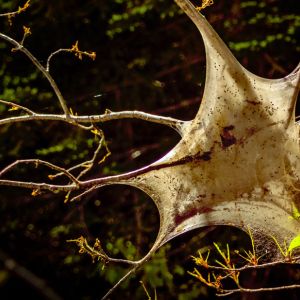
[[295, 243]]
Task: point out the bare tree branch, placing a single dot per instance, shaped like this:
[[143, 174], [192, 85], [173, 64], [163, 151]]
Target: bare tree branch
[[106, 117]]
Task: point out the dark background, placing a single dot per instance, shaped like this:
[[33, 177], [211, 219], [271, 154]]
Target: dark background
[[150, 57]]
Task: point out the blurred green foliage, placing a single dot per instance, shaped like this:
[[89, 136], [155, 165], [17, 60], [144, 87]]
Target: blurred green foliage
[[151, 58]]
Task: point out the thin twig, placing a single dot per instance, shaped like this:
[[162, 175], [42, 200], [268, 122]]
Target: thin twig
[[97, 182], [89, 164], [39, 186], [145, 289], [78, 197]]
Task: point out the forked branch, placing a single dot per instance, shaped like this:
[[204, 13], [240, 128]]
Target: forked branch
[[19, 47], [38, 162]]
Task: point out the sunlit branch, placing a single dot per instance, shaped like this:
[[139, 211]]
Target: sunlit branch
[[106, 117], [20, 47]]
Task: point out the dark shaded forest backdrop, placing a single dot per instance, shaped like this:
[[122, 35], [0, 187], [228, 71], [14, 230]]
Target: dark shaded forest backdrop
[[150, 57]]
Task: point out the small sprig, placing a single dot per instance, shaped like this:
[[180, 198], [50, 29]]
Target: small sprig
[[228, 265], [284, 250], [74, 49], [225, 256], [26, 32], [12, 14], [80, 54], [97, 253], [214, 284], [249, 256], [201, 261], [205, 3]]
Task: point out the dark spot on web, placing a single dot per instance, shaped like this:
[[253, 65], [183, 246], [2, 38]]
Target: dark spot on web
[[227, 138], [253, 102]]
